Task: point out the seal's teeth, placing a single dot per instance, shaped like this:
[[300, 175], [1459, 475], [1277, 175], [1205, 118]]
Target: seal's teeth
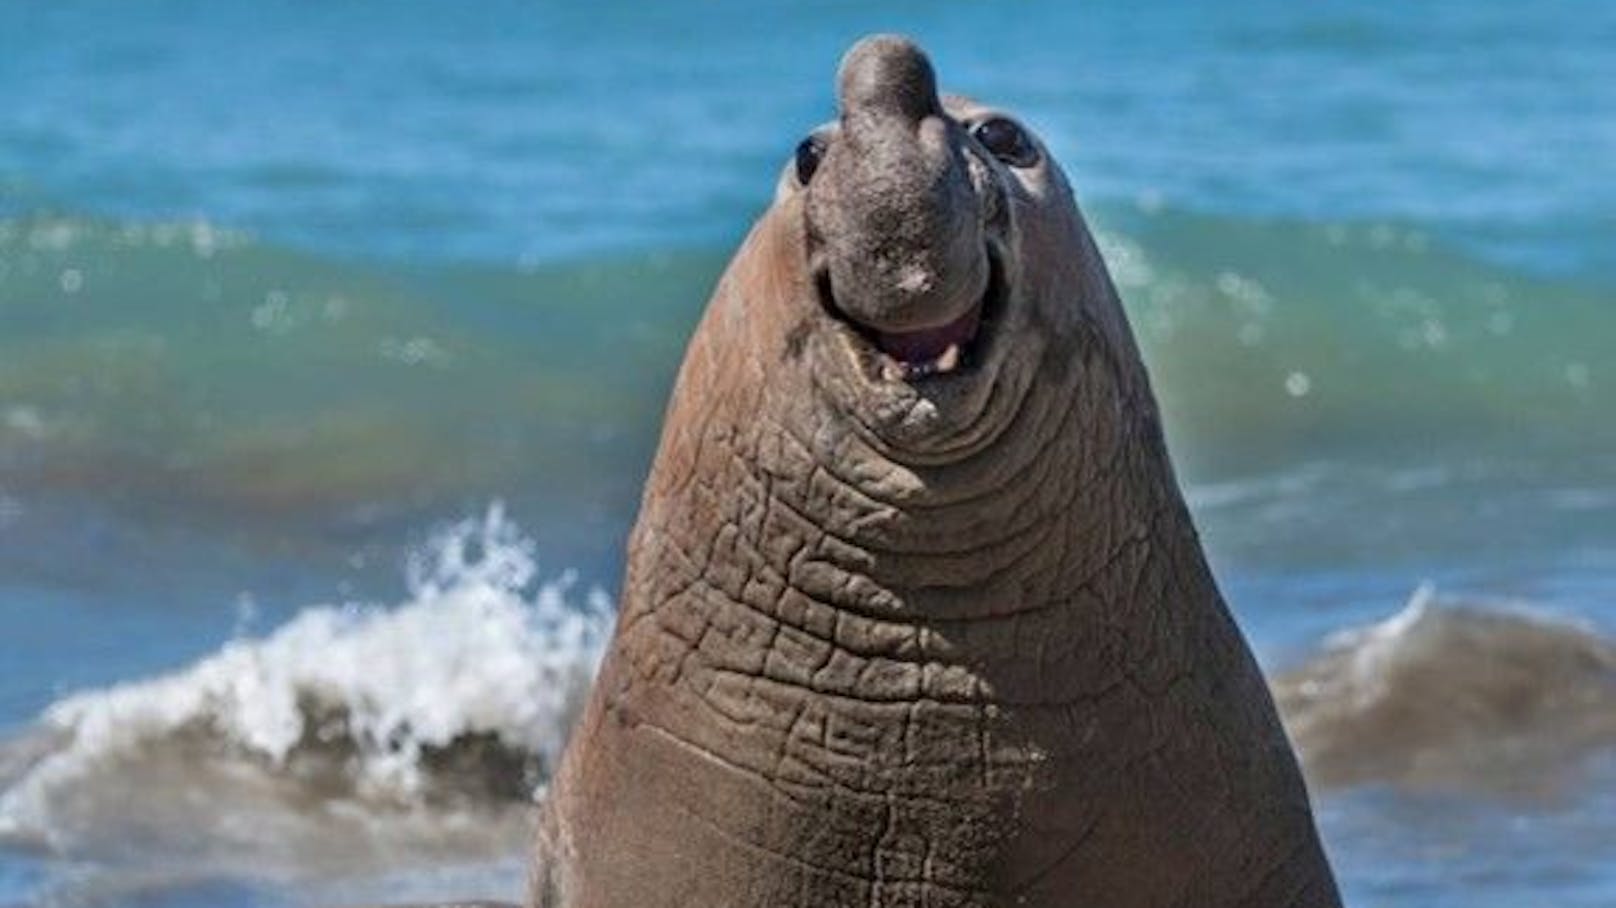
[[899, 370]]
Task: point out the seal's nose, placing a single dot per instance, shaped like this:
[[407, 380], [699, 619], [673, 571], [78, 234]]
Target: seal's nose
[[894, 208], [887, 75]]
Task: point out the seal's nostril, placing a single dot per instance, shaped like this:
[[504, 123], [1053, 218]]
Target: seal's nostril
[[888, 74]]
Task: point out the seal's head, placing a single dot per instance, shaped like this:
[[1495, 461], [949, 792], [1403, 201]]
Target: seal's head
[[936, 260], [922, 281]]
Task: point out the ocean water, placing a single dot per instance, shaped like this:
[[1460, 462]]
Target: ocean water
[[334, 339]]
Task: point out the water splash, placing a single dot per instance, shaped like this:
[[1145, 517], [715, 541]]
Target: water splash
[[351, 735]]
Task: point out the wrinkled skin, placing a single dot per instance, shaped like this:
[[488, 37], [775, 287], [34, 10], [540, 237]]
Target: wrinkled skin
[[946, 640]]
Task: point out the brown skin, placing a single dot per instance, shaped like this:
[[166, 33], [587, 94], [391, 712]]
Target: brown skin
[[942, 641]]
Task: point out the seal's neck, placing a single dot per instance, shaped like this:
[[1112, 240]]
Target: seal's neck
[[1006, 572]]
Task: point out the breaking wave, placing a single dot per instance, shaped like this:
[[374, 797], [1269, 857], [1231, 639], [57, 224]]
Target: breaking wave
[[352, 736], [1455, 695]]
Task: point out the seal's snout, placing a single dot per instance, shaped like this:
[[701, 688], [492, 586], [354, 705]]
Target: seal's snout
[[896, 214], [887, 74]]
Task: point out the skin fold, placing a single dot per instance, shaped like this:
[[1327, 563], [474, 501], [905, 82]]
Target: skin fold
[[921, 640]]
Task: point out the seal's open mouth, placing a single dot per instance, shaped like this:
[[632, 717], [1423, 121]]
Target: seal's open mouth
[[940, 350]]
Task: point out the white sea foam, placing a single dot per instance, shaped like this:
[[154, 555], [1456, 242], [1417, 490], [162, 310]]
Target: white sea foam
[[425, 725]]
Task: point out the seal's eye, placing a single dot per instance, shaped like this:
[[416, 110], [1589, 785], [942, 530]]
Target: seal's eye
[[1007, 141], [809, 151]]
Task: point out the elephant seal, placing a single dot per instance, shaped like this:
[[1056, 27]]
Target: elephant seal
[[914, 613]]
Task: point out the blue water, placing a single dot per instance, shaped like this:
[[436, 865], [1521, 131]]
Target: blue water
[[285, 286], [543, 131]]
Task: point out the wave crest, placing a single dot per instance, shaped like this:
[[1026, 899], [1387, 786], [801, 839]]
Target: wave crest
[[1448, 694], [427, 725]]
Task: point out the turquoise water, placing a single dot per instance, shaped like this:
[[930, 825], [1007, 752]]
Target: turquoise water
[[288, 290]]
